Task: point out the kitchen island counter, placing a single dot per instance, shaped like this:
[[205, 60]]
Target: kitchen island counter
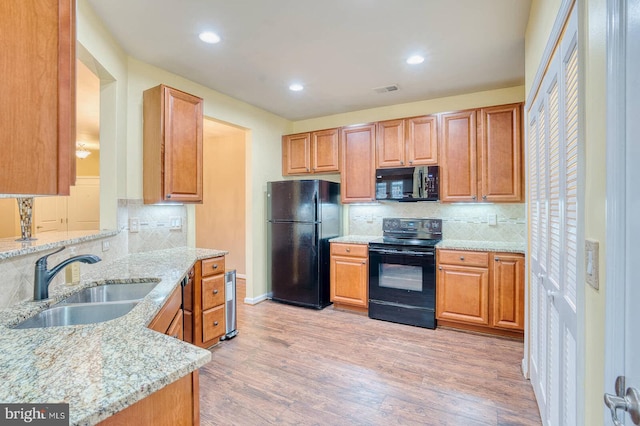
[[100, 369]]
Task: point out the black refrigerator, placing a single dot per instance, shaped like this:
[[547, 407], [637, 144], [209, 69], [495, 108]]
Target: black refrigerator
[[302, 215]]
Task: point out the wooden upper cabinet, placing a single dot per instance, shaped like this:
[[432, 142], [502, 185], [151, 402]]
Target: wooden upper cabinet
[[390, 149], [358, 163], [422, 140], [308, 153], [172, 146], [407, 142], [325, 151], [37, 93], [500, 146], [482, 161], [296, 154], [458, 157]]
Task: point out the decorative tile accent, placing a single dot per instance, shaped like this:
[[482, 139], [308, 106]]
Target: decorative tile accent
[[459, 221]]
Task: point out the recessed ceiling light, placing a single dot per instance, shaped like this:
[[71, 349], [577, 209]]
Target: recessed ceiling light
[[415, 59], [209, 37], [296, 87]]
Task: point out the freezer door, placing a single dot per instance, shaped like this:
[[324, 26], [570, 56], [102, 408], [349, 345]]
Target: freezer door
[[294, 263], [292, 201]]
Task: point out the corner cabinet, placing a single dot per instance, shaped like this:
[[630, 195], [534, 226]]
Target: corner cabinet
[[170, 318], [407, 142], [204, 302], [350, 276], [358, 163], [172, 166], [481, 155], [310, 153], [481, 291], [37, 89]]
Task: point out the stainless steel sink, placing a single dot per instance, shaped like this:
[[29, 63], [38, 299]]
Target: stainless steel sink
[[88, 313], [111, 293]]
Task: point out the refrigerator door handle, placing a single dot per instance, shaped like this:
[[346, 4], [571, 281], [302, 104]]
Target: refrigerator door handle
[[315, 206]]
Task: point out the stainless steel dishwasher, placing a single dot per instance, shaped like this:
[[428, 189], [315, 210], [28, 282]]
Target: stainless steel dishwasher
[[230, 306]]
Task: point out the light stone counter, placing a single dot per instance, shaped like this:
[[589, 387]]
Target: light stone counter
[[355, 239], [9, 247], [100, 369], [502, 247]]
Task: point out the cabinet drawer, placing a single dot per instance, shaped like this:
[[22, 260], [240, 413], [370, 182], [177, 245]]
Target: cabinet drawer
[[357, 250], [212, 291], [212, 266], [467, 258], [213, 323]]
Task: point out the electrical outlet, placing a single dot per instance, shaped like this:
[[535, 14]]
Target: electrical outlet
[[134, 224], [492, 219], [106, 245]]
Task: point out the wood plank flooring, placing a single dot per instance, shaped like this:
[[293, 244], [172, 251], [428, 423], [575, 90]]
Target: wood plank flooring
[[291, 365]]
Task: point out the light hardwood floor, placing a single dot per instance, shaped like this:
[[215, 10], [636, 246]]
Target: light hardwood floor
[[291, 365]]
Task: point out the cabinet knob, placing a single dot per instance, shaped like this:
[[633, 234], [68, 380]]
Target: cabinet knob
[[215, 266], [497, 259], [402, 163], [473, 197], [348, 250], [484, 197], [410, 161], [461, 257], [440, 268], [364, 262], [215, 323], [307, 169], [215, 291], [175, 336]]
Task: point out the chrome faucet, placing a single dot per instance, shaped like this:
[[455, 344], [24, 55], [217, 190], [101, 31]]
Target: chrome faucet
[[43, 276]]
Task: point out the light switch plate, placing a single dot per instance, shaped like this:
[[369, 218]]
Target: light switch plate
[[492, 219], [134, 224], [591, 259]]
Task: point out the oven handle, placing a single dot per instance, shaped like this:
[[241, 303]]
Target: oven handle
[[411, 253]]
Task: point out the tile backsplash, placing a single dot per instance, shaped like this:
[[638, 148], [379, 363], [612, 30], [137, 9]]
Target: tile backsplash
[[155, 222], [459, 221]]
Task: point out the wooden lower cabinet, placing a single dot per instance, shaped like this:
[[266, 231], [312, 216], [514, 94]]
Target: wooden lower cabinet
[[481, 291], [169, 319], [350, 276], [205, 303], [177, 404]]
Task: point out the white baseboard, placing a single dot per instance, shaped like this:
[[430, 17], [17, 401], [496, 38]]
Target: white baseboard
[[255, 300]]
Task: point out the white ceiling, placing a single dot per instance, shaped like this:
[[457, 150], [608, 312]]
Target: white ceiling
[[338, 49]]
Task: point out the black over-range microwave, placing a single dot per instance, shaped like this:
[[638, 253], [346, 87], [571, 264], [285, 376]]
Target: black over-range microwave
[[408, 184]]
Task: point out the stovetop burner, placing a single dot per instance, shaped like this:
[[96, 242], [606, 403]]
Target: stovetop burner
[[410, 232]]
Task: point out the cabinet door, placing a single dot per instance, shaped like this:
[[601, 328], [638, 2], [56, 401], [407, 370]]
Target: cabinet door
[[37, 93], [176, 328], [422, 140], [350, 281], [500, 145], [458, 158], [390, 150], [508, 291], [183, 146], [358, 163], [325, 151], [296, 154], [463, 294]]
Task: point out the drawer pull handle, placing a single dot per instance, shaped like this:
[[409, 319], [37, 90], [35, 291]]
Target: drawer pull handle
[[215, 291], [215, 323], [175, 336], [497, 259], [348, 250], [461, 257], [215, 266], [440, 268]]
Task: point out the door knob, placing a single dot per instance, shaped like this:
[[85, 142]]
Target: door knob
[[630, 402]]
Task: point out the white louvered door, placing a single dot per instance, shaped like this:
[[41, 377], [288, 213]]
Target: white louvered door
[[553, 179]]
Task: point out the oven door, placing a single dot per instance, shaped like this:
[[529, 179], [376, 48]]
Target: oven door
[[403, 276]]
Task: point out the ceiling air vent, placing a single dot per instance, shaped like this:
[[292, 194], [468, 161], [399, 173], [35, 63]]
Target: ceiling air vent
[[385, 89]]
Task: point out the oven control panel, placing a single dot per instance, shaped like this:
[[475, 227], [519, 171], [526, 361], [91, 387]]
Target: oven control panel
[[419, 228]]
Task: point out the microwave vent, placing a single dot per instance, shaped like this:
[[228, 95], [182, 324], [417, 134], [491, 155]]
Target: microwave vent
[[385, 89]]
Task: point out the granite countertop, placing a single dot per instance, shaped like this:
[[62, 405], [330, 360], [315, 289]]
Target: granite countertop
[[503, 247], [9, 247], [355, 239], [100, 369]]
